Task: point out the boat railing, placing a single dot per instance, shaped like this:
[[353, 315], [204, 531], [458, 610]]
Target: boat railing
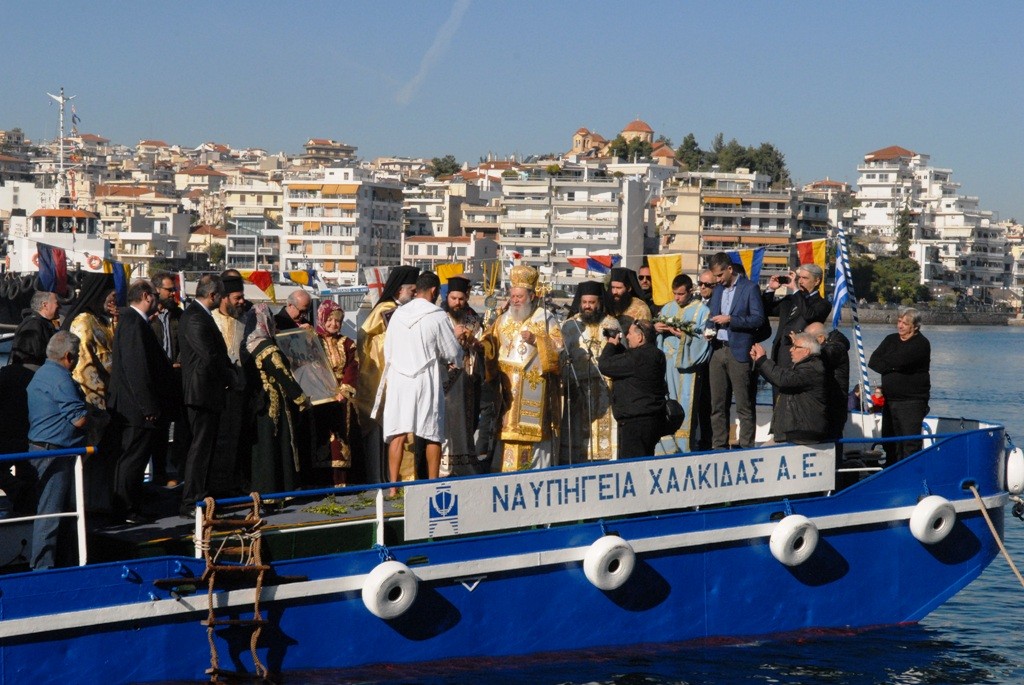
[[304, 494], [79, 454]]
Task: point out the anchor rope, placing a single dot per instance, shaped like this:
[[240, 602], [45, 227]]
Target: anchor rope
[[995, 534]]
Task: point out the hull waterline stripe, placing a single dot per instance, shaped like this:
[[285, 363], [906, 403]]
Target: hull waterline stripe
[[150, 610]]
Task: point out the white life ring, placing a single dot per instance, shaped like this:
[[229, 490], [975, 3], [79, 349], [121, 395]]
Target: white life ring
[[390, 589], [609, 562], [94, 262], [1015, 471], [794, 539], [932, 519]]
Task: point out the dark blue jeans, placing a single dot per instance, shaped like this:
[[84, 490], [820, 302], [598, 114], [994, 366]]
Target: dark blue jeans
[[56, 476]]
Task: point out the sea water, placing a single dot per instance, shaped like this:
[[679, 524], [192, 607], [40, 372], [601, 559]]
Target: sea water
[[977, 637]]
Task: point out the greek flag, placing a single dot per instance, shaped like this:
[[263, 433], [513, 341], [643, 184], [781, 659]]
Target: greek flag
[[841, 294]]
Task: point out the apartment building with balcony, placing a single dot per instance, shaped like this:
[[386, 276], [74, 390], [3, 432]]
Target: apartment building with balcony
[[328, 152], [484, 220], [705, 212], [340, 220], [956, 243], [551, 218], [253, 242], [434, 208], [471, 251]]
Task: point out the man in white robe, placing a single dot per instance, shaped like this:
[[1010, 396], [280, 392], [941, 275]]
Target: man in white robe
[[421, 343]]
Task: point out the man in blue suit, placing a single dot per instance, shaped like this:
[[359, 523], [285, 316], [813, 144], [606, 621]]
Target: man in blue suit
[[736, 314]]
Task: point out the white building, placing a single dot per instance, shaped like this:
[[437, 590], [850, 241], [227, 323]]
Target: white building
[[551, 218], [340, 220], [471, 251], [956, 243]]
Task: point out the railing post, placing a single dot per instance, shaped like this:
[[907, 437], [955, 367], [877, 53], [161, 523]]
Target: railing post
[[380, 516], [80, 509]]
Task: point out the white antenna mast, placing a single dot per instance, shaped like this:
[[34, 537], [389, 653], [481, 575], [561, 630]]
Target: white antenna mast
[[61, 178]]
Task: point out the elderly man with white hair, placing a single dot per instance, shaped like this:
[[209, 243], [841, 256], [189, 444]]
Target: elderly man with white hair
[[800, 415], [797, 309], [525, 341]]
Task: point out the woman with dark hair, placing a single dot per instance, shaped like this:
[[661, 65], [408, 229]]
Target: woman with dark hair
[[638, 390], [274, 396], [337, 425]]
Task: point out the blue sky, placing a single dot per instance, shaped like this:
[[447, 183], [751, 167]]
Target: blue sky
[[825, 82]]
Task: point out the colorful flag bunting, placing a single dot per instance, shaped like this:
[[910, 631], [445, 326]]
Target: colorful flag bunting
[[599, 263], [264, 280], [842, 291], [750, 260], [53, 269], [813, 252], [376, 277], [122, 277], [664, 269]]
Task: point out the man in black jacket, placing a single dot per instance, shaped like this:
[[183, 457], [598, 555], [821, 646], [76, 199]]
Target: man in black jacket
[[140, 375], [795, 310], [35, 330], [835, 355], [800, 414], [638, 388], [205, 371]]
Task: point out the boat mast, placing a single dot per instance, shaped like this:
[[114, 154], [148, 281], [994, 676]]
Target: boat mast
[[61, 187]]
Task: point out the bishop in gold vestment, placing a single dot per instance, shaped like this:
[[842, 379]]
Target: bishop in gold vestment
[[525, 341]]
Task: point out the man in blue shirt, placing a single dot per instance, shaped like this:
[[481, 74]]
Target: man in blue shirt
[[736, 314], [57, 418]]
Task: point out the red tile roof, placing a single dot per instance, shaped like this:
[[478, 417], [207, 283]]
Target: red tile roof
[[206, 229], [202, 170], [582, 131], [638, 126], [92, 137], [887, 153], [153, 143]]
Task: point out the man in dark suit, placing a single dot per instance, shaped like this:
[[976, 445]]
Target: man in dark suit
[[295, 314], [736, 314], [139, 377], [205, 371]]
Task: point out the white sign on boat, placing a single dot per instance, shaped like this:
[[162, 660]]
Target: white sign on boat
[[529, 498]]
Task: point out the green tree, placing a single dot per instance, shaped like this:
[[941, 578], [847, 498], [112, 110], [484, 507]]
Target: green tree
[[630, 149], [215, 253], [767, 159], [689, 153], [666, 140], [899, 280], [904, 232], [732, 155], [443, 166]]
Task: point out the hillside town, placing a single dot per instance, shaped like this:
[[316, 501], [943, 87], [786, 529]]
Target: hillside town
[[163, 205]]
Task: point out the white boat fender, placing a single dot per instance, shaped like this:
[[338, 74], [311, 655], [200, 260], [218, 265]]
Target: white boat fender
[[1015, 471], [794, 539], [390, 589], [932, 519], [609, 562]]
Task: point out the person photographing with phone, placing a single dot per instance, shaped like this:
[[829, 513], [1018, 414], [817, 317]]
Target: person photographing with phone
[[637, 370], [795, 310]]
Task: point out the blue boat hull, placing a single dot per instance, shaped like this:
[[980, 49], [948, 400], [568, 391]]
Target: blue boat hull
[[705, 574]]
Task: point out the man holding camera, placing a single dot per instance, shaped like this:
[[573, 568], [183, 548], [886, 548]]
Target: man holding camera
[[795, 310], [638, 391]]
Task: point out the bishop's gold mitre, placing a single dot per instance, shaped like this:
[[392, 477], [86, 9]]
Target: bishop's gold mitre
[[523, 276]]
